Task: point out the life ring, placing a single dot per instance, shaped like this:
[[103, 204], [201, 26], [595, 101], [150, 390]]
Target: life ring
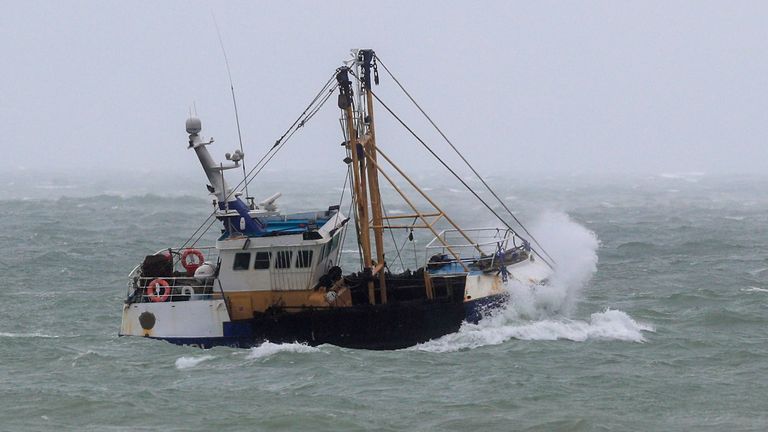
[[187, 290], [191, 266], [163, 294]]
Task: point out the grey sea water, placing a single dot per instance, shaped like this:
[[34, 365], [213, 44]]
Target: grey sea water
[[656, 321]]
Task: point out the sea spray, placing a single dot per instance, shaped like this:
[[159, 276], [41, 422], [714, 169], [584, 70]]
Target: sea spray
[[574, 249], [542, 312]]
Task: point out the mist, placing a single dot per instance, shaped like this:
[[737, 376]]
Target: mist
[[545, 88]]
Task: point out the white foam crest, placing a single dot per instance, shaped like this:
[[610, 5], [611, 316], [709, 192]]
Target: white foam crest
[[754, 289], [268, 349], [27, 335], [192, 361], [691, 177], [541, 312], [607, 325]]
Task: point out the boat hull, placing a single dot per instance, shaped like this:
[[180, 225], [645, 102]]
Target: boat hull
[[379, 327]]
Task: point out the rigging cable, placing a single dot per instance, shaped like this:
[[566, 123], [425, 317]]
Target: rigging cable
[[344, 233], [352, 191], [450, 169], [464, 159], [279, 143], [347, 177], [402, 247], [392, 233]]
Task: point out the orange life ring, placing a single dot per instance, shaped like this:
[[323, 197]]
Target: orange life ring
[[191, 266], [152, 290]]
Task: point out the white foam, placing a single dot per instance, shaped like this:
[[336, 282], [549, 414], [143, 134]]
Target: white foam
[[574, 249], [754, 289], [691, 177], [543, 312], [26, 335], [190, 362], [607, 325], [268, 349]]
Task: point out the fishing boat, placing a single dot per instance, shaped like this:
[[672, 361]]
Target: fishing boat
[[274, 276]]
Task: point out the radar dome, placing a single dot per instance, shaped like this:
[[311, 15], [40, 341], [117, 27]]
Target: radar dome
[[194, 125]]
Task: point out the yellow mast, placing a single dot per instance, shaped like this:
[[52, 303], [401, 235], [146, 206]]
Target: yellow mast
[[373, 179], [360, 182], [361, 145]]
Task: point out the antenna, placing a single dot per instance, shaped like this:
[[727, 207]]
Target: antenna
[[234, 101]]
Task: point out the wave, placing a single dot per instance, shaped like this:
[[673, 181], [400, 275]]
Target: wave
[[27, 335], [574, 249], [636, 245], [268, 349], [607, 325], [755, 289], [190, 362], [691, 177], [542, 312]]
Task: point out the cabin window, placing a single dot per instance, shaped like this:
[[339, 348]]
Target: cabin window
[[242, 261], [283, 259], [262, 260], [304, 259]]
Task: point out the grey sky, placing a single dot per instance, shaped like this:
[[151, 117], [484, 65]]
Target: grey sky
[[554, 87]]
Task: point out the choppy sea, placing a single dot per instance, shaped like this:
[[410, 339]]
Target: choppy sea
[[656, 320]]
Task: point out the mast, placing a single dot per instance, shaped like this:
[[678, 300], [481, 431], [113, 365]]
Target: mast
[[243, 223], [366, 57], [361, 145]]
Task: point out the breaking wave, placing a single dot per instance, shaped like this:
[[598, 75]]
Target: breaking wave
[[268, 349], [27, 335], [755, 289], [190, 362], [607, 325], [574, 249], [543, 312], [691, 177]]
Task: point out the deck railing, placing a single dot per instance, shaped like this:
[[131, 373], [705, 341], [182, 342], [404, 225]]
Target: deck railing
[[181, 285], [178, 289], [482, 247]]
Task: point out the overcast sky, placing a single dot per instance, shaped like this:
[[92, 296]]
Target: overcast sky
[[547, 87]]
